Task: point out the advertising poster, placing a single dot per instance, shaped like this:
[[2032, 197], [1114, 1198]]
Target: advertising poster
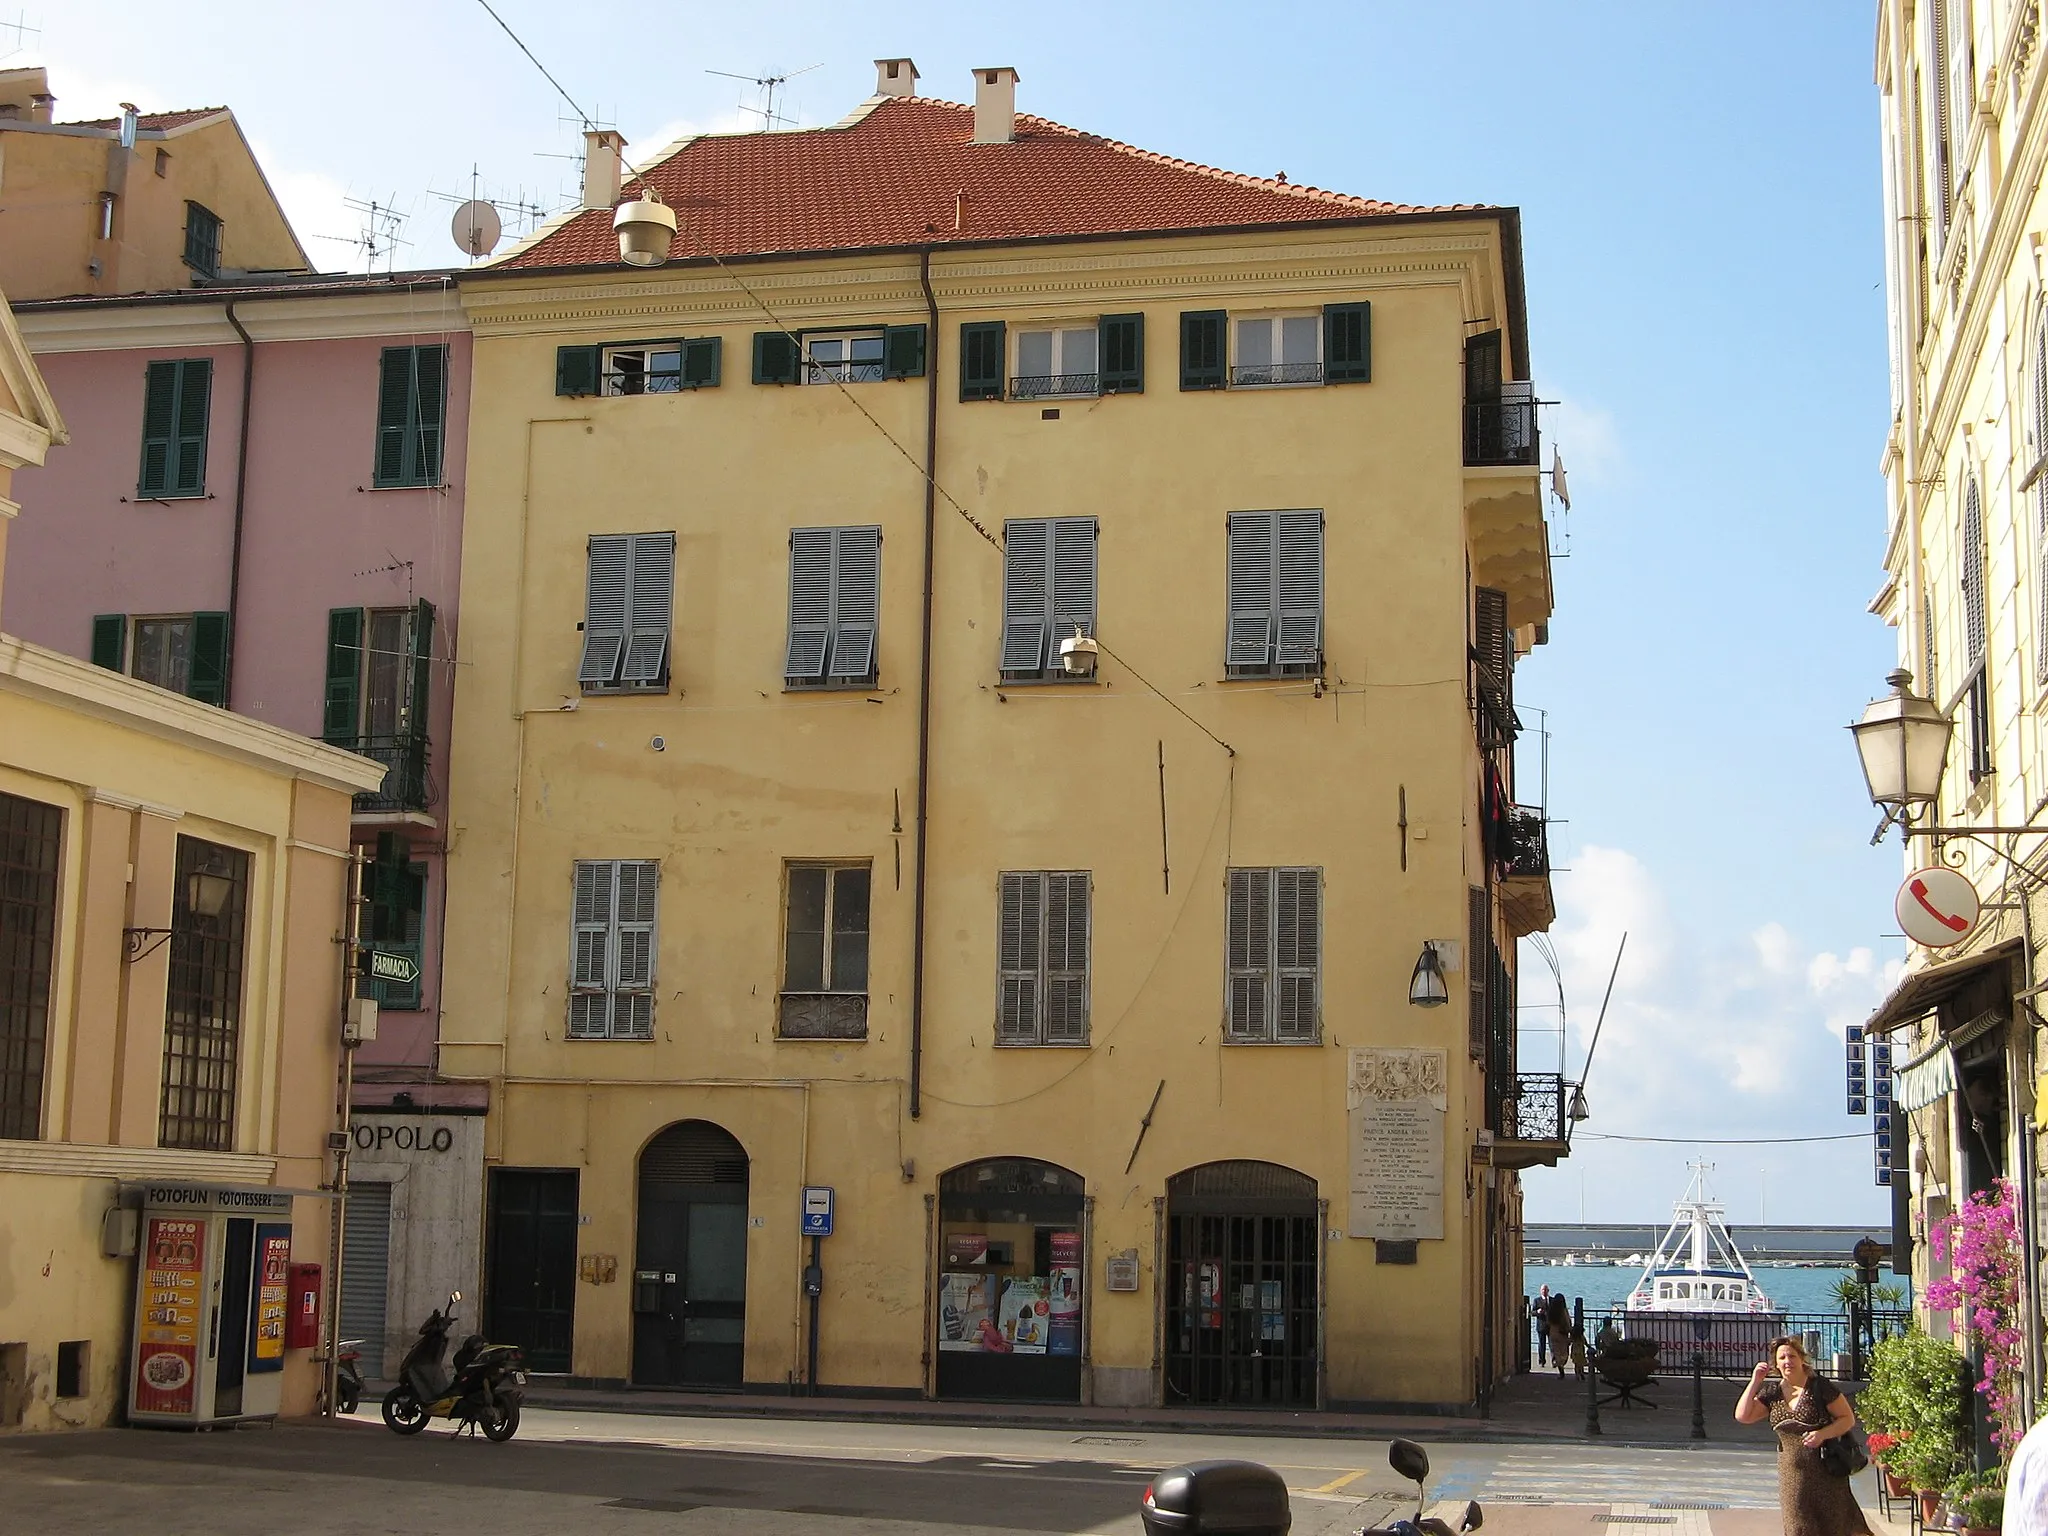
[[167, 1338], [1063, 1318], [966, 1248], [273, 1271], [967, 1314], [1025, 1315]]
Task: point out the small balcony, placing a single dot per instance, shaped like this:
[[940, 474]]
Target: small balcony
[[1501, 432], [1054, 386], [823, 1016], [1526, 902], [407, 786], [1530, 1128], [1249, 375]]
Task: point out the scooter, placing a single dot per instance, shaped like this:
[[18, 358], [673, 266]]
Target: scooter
[[348, 1375], [1412, 1462], [485, 1391]]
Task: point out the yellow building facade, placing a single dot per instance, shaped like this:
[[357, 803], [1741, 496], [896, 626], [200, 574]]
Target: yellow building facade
[[787, 852], [172, 883]]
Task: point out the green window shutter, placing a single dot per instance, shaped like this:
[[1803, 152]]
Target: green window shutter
[[195, 394], [982, 346], [394, 388], [1202, 355], [159, 420], [774, 357], [420, 645], [430, 411], [903, 352], [1121, 345], [412, 403], [340, 720], [702, 362], [576, 370], [1347, 343], [209, 679], [110, 641]]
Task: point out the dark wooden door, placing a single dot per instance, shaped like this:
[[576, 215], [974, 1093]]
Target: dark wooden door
[[530, 1283], [690, 1260]]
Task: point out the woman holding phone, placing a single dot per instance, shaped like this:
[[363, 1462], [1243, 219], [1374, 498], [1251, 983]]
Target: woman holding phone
[[1805, 1408]]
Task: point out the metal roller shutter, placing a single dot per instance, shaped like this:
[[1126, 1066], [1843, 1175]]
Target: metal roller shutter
[[365, 1272]]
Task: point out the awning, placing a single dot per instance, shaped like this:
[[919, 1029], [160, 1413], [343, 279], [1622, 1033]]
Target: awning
[[1919, 991], [1924, 1079]]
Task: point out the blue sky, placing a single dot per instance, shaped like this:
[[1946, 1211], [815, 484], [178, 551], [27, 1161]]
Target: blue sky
[[1702, 220]]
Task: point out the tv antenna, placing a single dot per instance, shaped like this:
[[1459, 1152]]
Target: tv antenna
[[769, 85], [22, 33], [479, 221], [379, 236]]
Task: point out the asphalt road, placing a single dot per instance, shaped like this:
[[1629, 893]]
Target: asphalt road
[[606, 1474]]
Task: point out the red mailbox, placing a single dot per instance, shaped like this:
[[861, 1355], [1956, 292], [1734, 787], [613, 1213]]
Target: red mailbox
[[302, 1308]]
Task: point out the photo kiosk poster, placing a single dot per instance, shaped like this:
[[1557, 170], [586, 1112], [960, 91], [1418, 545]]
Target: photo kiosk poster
[[210, 1295], [1010, 1282]]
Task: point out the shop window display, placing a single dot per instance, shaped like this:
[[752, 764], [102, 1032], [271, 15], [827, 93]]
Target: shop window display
[[1011, 1279]]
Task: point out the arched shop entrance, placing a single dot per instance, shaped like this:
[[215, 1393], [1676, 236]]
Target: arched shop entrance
[[1011, 1276], [690, 1260], [1242, 1285]]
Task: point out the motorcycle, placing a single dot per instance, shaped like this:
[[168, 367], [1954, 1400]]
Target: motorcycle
[[484, 1392], [1412, 1462], [348, 1375]]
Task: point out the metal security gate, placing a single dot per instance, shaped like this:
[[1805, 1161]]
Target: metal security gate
[[1241, 1289], [366, 1272]]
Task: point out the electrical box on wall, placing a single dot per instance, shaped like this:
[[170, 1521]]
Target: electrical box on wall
[[361, 1026], [120, 1232]]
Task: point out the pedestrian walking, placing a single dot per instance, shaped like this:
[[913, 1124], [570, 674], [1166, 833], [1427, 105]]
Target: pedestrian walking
[[1805, 1408], [1539, 1314], [1579, 1350], [1560, 1321]]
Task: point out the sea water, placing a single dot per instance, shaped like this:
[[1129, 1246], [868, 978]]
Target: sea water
[[1801, 1289]]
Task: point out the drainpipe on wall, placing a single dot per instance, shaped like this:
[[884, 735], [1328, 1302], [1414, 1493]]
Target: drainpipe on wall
[[924, 680], [241, 487]]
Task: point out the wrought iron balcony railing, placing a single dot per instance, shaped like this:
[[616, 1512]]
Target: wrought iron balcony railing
[[1500, 432], [1536, 1112], [824, 1016], [1528, 843], [1276, 373], [1038, 386], [407, 784]]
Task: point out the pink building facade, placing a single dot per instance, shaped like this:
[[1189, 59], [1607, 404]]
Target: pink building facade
[[263, 509]]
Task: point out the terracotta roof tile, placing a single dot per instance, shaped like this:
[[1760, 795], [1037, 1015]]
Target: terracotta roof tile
[[151, 121], [905, 173]]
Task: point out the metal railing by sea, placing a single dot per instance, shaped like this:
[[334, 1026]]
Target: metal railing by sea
[[1734, 1342]]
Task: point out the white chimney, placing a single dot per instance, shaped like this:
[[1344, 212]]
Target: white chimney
[[895, 77], [42, 106], [603, 151], [995, 106], [129, 120]]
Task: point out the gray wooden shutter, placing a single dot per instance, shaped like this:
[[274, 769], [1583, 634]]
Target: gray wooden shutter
[[1120, 349], [1297, 953], [1250, 587], [576, 370], [703, 360], [1066, 958], [1027, 562], [903, 352], [1479, 930], [856, 602], [208, 679], [633, 948], [195, 395], [649, 608], [1298, 587], [1347, 343], [982, 348], [1249, 941], [810, 603], [590, 955], [159, 421], [341, 719], [1493, 649], [604, 610], [110, 641], [1202, 352], [1973, 574], [774, 357], [1020, 953], [1073, 578]]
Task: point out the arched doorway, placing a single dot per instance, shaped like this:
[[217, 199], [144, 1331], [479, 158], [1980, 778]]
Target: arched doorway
[[690, 1262], [1242, 1285], [1011, 1273]]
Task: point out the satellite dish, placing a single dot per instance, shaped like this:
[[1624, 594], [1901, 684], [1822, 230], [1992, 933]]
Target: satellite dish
[[476, 228]]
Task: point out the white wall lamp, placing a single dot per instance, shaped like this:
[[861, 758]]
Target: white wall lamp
[[1426, 988], [646, 228], [1079, 654], [1578, 1110]]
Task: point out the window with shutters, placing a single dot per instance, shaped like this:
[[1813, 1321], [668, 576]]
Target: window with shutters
[[377, 690], [1274, 938], [982, 347], [629, 605], [1478, 944], [31, 841], [1276, 349], [1048, 594], [1042, 934], [1056, 361], [640, 367], [835, 593], [203, 1001], [163, 652], [611, 964], [842, 357], [2039, 412], [184, 652], [1978, 684], [1493, 669], [1275, 592], [824, 993], [412, 407], [176, 408], [202, 240], [395, 896]]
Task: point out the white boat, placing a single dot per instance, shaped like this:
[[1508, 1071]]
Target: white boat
[[1697, 1267]]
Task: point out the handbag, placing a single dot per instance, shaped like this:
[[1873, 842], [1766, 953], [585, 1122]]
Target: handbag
[[1843, 1455]]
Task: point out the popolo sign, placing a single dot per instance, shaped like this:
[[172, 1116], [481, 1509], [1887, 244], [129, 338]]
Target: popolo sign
[[1937, 907]]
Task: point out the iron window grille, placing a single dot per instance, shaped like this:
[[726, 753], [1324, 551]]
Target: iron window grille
[[1274, 937], [31, 840], [203, 1005], [611, 978], [825, 952], [844, 357], [1057, 361]]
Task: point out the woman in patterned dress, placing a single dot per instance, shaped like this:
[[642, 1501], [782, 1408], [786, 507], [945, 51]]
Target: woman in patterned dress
[[1805, 1408]]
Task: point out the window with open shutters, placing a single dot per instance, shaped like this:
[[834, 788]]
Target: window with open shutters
[[835, 594], [412, 405], [628, 608], [1275, 590], [1976, 634], [1493, 666], [184, 652], [611, 967], [1043, 921], [1048, 592], [1478, 941], [176, 398], [1274, 935]]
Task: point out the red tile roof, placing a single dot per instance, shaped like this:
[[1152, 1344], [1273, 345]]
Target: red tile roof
[[905, 174], [152, 121]]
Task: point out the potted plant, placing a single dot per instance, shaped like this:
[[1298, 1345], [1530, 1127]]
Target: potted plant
[[1881, 1445], [1627, 1362], [1915, 1397], [1976, 1504]]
